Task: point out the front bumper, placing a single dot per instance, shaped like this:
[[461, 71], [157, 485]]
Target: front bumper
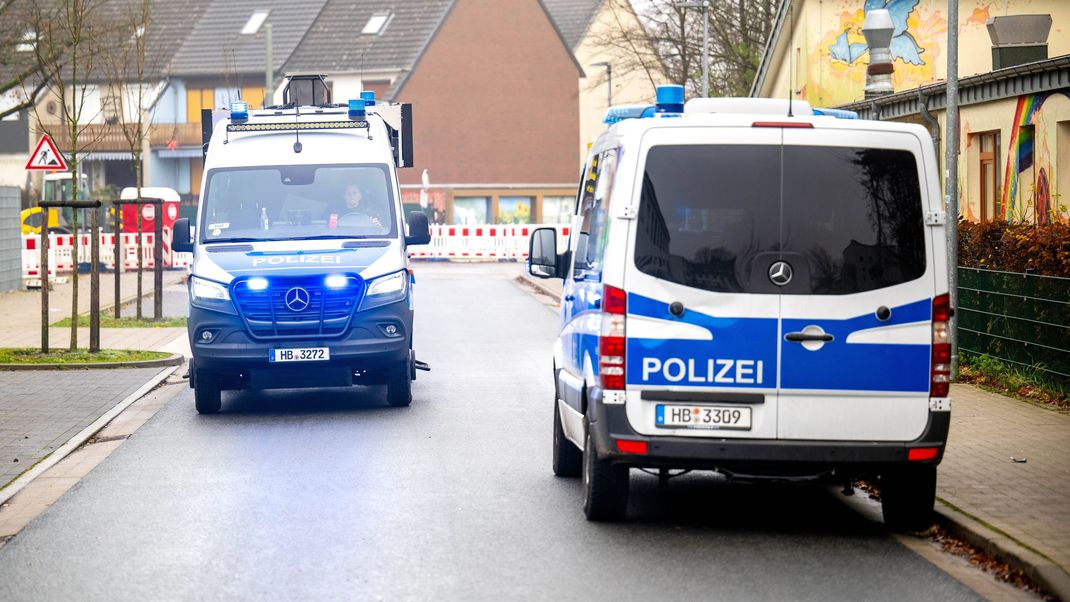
[[758, 457], [365, 346]]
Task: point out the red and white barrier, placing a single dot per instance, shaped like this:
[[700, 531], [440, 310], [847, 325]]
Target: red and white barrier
[[482, 242], [61, 253]]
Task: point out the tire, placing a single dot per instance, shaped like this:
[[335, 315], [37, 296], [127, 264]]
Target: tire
[[907, 497], [605, 486], [568, 459], [206, 393], [399, 386]]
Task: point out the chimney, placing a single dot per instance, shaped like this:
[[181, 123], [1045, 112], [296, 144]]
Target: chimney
[[878, 29], [1018, 39]]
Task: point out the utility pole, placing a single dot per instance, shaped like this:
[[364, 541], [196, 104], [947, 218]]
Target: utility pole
[[269, 70], [609, 81], [705, 6], [951, 173]]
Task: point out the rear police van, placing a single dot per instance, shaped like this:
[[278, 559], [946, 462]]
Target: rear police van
[[757, 290], [300, 275]]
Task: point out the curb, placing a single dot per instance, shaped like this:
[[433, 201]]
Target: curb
[[75, 442], [1045, 573], [175, 360], [549, 292]]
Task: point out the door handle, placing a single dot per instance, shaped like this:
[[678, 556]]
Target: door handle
[[801, 337]]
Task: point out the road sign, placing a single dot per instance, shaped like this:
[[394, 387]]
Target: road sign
[[45, 157]]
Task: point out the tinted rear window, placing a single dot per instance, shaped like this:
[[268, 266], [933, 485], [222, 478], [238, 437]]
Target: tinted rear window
[[712, 217]]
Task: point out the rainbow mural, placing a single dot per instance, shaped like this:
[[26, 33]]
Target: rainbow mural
[[1026, 180]]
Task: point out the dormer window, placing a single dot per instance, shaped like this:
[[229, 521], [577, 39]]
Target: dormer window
[[255, 21], [377, 23], [28, 43]]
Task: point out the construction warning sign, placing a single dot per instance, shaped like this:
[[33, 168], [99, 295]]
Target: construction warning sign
[[45, 157]]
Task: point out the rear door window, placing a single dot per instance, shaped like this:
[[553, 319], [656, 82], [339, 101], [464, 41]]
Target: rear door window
[[716, 217]]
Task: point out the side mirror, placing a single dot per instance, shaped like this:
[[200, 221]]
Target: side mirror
[[181, 241], [419, 230], [542, 253]]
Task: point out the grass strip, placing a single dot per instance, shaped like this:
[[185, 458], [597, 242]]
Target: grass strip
[[1033, 385], [126, 322], [10, 355]]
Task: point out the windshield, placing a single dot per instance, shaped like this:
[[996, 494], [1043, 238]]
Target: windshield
[[715, 217], [285, 202]]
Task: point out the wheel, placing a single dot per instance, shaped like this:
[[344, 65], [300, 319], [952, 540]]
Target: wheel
[[605, 486], [568, 459], [206, 393], [907, 497], [399, 386]]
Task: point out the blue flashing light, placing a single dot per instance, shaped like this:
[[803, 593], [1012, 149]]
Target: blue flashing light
[[837, 113], [257, 283], [622, 112], [336, 281], [670, 99], [356, 108], [239, 111], [369, 98]]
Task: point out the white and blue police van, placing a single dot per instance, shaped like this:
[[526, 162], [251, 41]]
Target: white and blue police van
[[756, 289], [300, 276]]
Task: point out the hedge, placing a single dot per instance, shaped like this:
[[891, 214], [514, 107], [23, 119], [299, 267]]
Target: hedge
[[1016, 247]]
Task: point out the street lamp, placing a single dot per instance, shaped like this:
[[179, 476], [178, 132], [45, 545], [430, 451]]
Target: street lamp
[[705, 6], [609, 78]]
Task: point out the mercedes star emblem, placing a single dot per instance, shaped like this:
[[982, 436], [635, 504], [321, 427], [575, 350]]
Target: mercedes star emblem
[[780, 273], [297, 299]]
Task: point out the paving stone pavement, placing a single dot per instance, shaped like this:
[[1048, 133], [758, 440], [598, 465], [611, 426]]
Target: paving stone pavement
[[42, 410], [1030, 501]]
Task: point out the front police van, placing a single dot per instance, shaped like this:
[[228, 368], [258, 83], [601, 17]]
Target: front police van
[[300, 275], [755, 289]]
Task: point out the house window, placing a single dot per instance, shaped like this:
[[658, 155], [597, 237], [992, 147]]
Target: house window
[[377, 24], [514, 210], [471, 210], [29, 42], [989, 172], [558, 209], [255, 21]]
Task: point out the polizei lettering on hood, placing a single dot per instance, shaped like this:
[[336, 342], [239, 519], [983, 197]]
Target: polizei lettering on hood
[[298, 259], [716, 371]]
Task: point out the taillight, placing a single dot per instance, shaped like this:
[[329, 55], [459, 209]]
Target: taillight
[[611, 342], [940, 373]]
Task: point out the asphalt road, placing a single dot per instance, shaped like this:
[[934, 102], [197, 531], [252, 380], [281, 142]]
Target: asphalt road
[[332, 494]]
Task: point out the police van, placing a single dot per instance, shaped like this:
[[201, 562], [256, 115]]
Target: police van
[[300, 276], [758, 288]]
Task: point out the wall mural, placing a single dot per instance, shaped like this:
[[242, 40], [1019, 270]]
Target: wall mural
[[1027, 193], [904, 47]]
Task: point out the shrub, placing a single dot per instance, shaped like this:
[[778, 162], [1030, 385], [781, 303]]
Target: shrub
[[1015, 247]]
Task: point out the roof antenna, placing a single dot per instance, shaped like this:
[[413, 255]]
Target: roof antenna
[[791, 52], [297, 121]]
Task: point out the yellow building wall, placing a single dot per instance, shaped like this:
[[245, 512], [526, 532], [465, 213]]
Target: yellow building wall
[[630, 85], [829, 55]]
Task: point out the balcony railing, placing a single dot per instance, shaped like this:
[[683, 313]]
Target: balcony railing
[[109, 137]]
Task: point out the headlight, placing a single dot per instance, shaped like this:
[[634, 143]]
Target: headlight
[[386, 289], [206, 290]]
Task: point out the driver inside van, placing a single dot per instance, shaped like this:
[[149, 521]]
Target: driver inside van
[[355, 209]]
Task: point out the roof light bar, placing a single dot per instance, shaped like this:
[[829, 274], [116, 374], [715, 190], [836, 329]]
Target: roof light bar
[[289, 127], [670, 99], [239, 111], [622, 112], [356, 108], [837, 113]]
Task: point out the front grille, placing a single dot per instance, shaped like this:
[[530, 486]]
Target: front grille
[[267, 315]]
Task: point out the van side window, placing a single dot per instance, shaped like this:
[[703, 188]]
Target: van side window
[[587, 260]]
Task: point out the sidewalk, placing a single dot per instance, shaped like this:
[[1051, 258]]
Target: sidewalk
[[21, 310], [1028, 501], [42, 410]]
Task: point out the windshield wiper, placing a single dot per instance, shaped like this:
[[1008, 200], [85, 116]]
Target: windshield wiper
[[244, 239], [329, 237]]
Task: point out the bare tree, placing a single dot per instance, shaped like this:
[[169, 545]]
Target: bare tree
[[20, 66], [671, 41], [134, 73], [68, 49]]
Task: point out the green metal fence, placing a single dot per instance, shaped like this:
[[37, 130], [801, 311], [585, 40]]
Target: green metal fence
[[1017, 318]]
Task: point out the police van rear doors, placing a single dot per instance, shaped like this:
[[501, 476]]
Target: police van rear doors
[[780, 286]]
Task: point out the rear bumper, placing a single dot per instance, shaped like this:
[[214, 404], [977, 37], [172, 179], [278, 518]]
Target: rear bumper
[[609, 423]]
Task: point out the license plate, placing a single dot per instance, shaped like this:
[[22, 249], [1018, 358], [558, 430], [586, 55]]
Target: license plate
[[300, 354], [703, 417]]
